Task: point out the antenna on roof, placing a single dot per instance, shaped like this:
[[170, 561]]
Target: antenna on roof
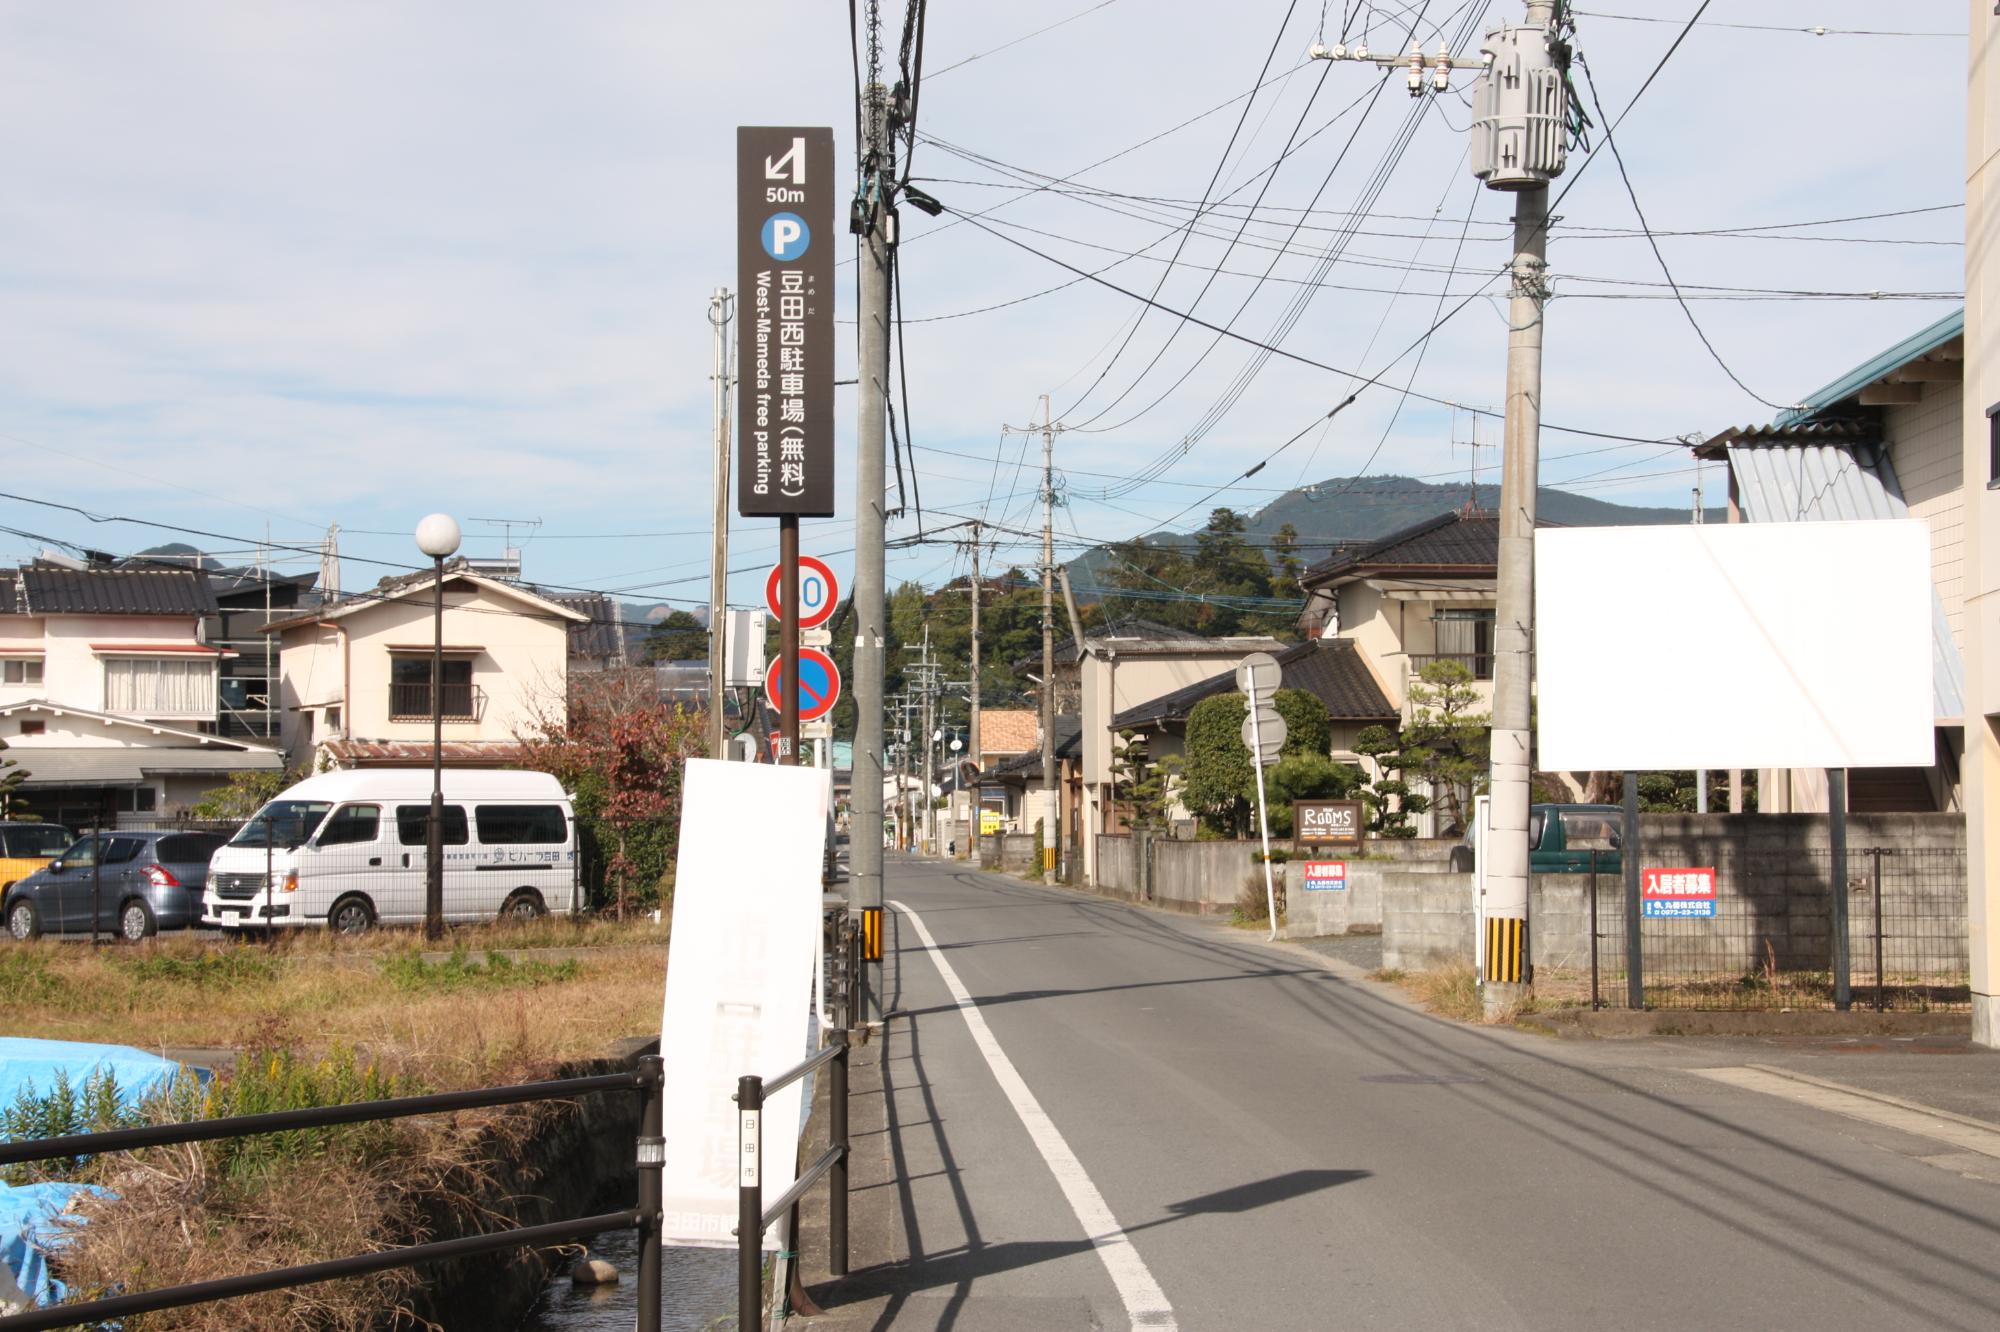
[[509, 563]]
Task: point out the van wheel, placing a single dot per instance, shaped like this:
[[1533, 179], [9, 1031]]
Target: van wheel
[[23, 921], [523, 904], [136, 922], [352, 915]]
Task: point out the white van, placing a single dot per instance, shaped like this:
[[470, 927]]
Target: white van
[[348, 849]]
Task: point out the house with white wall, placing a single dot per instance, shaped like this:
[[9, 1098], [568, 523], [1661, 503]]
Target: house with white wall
[[1885, 440], [355, 673], [108, 692], [1422, 594], [1122, 664]]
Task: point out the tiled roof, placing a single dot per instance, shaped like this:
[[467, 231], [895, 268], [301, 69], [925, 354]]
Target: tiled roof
[[1006, 731], [1331, 669], [10, 593], [602, 637], [1461, 539], [53, 590]]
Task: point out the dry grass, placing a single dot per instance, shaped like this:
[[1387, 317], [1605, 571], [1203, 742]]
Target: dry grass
[[467, 1019], [451, 1026], [1450, 991]]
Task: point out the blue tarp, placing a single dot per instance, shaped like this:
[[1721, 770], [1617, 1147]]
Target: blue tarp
[[31, 1066], [26, 1227], [27, 1232]]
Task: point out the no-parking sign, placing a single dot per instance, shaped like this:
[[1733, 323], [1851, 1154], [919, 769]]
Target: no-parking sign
[[818, 684]]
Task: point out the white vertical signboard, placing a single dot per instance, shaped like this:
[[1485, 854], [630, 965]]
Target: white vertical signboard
[[740, 969]]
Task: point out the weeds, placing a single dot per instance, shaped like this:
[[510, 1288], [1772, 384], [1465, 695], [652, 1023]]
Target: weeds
[[1450, 991], [410, 972], [58, 1112], [224, 968]]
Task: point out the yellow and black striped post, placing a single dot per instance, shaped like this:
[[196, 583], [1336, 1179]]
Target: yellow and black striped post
[[871, 934], [1506, 950]]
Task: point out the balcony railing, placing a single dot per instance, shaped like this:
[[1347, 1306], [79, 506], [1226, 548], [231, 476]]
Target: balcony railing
[[1479, 663], [412, 702]]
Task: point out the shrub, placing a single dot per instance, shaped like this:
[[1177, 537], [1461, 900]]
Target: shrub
[[58, 1112]]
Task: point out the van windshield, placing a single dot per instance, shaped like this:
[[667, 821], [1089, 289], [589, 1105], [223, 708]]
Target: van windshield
[[284, 824]]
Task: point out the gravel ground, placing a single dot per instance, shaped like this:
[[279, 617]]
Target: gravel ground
[[1361, 950]]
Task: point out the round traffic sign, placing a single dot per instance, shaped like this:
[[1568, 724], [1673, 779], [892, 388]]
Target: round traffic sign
[[818, 685], [1258, 673], [819, 592], [1265, 734]]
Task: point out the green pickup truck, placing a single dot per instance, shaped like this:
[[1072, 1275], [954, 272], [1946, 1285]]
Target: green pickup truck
[[1561, 839]]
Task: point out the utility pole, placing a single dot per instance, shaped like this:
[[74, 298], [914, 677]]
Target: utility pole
[[1514, 101], [972, 741], [1051, 805], [877, 225], [718, 567]]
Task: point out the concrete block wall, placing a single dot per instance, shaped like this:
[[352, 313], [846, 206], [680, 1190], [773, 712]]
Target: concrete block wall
[[1201, 877], [1117, 868], [1018, 851]]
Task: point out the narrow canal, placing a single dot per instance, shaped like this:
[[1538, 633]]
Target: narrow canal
[[697, 1292]]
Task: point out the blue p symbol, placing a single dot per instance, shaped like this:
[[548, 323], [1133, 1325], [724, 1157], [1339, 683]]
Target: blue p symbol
[[786, 236]]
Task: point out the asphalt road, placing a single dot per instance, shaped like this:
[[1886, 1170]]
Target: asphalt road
[[1274, 1142]]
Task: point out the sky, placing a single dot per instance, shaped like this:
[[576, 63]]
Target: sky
[[271, 268]]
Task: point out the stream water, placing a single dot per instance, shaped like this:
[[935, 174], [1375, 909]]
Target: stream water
[[697, 1292]]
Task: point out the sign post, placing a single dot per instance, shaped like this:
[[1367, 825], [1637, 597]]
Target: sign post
[[1257, 675], [784, 255]]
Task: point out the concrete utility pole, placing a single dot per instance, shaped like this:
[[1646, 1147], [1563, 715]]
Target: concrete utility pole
[[718, 567], [1051, 801], [972, 741], [1981, 641], [1517, 148], [870, 517]]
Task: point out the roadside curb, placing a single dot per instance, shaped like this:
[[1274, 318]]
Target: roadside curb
[[1622, 1024]]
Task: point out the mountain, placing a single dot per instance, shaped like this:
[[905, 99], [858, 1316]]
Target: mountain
[[1339, 510]]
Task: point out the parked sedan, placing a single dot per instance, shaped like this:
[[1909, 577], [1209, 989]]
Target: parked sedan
[[139, 882]]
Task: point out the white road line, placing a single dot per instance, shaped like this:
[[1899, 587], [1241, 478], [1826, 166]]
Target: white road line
[[1145, 1302]]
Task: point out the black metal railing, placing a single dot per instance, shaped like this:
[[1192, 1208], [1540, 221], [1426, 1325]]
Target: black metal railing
[[412, 702], [645, 1218]]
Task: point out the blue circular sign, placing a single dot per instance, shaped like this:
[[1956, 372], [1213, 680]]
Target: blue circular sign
[[786, 236]]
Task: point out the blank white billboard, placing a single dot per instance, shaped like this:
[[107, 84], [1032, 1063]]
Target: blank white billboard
[[1739, 645]]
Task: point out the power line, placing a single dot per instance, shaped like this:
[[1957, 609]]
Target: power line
[[1814, 31], [1618, 160], [1082, 13], [1214, 178]]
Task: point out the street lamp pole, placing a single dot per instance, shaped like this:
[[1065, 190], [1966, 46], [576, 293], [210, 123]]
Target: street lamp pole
[[437, 537]]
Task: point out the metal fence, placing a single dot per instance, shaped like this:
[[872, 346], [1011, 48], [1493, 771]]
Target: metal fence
[[645, 1217], [1771, 943]]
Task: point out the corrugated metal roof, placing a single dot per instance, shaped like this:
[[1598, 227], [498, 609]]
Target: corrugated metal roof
[[1920, 343], [1830, 483], [50, 590]]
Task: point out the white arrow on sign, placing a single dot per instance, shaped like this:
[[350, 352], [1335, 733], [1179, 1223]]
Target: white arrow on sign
[[1258, 673], [1271, 732]]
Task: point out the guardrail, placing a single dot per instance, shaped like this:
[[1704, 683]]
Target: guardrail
[[645, 1218], [752, 1217]]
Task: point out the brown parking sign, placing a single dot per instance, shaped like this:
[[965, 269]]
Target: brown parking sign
[[786, 249], [1327, 823]]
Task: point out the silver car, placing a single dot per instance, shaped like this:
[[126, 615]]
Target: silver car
[[138, 882]]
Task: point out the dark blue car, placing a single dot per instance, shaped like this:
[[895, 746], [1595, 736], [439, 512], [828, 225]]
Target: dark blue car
[[134, 882]]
